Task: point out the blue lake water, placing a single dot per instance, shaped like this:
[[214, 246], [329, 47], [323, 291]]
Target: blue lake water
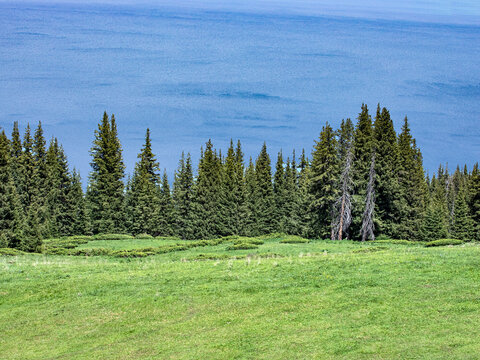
[[191, 74]]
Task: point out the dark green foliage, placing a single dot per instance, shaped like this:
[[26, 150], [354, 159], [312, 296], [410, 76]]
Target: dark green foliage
[[303, 198], [143, 236], [210, 220], [183, 197], [362, 156], [323, 180], [143, 193], [443, 242], [11, 219], [10, 252], [165, 210], [233, 204], [463, 225], [475, 201], [242, 246], [105, 190], [413, 187], [112, 237], [244, 240], [265, 201], [387, 188], [434, 225], [250, 222]]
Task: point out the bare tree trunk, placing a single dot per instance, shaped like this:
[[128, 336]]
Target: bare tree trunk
[[368, 226], [342, 209]]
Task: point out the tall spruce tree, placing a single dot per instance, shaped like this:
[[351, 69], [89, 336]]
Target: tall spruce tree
[[324, 172], [265, 212], [165, 209], [463, 226], [183, 197], [303, 198], [144, 191], [105, 190], [208, 192], [412, 183], [280, 194], [475, 200], [250, 227], [80, 224], [291, 222], [10, 207], [387, 188], [362, 154]]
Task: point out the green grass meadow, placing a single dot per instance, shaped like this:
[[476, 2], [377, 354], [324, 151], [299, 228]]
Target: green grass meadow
[[316, 300]]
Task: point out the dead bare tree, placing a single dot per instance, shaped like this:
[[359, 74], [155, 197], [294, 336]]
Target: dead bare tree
[[342, 208], [368, 226]]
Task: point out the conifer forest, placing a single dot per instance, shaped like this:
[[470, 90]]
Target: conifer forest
[[360, 182]]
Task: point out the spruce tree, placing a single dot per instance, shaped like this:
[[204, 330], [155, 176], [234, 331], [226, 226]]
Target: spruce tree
[[387, 188], [362, 153], [291, 221], [105, 190], [265, 212], [208, 191], [412, 185], [183, 197], [475, 200], [165, 209], [250, 225], [303, 198], [279, 191], [80, 220], [16, 154], [233, 191], [463, 226], [10, 208], [144, 191], [324, 172]]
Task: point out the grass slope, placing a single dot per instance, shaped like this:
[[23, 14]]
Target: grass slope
[[322, 299]]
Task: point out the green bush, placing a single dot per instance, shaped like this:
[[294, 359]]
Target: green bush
[[253, 241], [143, 236], [242, 246], [369, 249], [294, 239], [397, 242], [277, 235], [112, 237], [56, 251], [10, 252], [91, 252], [211, 257], [444, 242], [133, 253]]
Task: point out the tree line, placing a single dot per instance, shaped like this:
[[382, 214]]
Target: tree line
[[360, 181]]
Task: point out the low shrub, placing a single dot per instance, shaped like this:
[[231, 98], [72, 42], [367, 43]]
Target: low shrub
[[277, 235], [383, 237], [211, 257], [253, 241], [133, 253], [56, 251], [294, 239], [242, 246], [10, 252], [143, 236], [91, 252], [369, 249], [444, 242], [397, 242], [112, 237]]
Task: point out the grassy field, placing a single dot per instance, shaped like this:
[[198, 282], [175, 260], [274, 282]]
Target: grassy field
[[318, 300]]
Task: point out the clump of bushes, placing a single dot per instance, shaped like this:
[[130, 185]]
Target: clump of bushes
[[242, 246], [369, 249], [253, 241], [143, 236], [383, 237], [212, 257], [444, 242], [91, 252], [397, 242], [112, 237], [10, 252], [294, 239]]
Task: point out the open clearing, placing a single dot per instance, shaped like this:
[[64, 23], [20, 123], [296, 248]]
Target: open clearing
[[320, 300]]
